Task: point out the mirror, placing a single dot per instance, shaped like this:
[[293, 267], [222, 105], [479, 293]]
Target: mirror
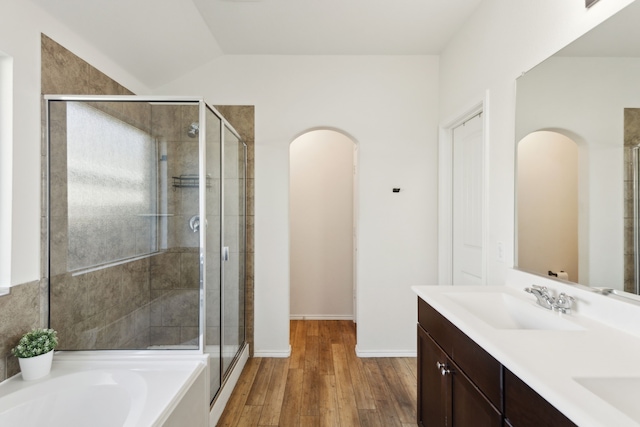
[[577, 121]]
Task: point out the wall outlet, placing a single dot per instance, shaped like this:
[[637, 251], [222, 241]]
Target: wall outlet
[[500, 252]]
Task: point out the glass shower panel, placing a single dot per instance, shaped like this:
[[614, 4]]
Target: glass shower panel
[[234, 240], [212, 265], [123, 264]]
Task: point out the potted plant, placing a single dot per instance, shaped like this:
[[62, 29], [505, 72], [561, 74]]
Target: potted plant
[[35, 353]]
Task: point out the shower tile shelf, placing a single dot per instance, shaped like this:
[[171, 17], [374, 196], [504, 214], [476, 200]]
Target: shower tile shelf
[[189, 181]]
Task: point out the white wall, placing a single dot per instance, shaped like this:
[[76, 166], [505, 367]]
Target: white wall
[[388, 105], [321, 225], [547, 212], [500, 41], [20, 26], [561, 94]]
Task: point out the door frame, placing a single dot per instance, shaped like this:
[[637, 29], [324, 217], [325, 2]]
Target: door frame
[[445, 188]]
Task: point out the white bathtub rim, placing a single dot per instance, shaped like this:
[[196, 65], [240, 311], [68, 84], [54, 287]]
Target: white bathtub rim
[[69, 363]]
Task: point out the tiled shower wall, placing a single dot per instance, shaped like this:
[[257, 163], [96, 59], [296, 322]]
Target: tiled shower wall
[[27, 305], [631, 139]]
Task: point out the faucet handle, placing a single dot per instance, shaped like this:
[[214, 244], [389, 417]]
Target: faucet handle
[[563, 303], [565, 299]]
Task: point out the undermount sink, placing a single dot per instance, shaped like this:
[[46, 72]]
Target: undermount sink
[[504, 311], [620, 392]]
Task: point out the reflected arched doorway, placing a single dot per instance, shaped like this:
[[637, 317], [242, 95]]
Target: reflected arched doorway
[[547, 204], [321, 224]]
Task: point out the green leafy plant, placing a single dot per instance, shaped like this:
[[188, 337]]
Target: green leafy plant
[[34, 343]]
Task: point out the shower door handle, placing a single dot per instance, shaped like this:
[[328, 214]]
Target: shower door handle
[[225, 253]]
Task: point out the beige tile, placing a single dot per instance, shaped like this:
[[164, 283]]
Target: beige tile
[[68, 305], [101, 84], [163, 122], [165, 271], [189, 336], [19, 313], [12, 366], [62, 71], [180, 308], [3, 368], [190, 270], [162, 336], [241, 117]]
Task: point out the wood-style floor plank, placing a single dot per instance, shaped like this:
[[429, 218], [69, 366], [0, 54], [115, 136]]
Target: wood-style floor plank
[[347, 408], [260, 387], [324, 384], [270, 415], [233, 411], [382, 394], [298, 335], [250, 416], [292, 403], [405, 407]]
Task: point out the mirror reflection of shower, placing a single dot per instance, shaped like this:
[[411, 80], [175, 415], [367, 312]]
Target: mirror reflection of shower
[[194, 130]]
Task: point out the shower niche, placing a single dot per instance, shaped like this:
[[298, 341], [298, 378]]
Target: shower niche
[[146, 227]]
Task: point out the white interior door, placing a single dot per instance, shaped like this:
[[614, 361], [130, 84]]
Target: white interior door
[[468, 171]]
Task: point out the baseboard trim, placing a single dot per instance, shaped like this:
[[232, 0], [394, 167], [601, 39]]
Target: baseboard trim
[[321, 317], [385, 353], [272, 353]]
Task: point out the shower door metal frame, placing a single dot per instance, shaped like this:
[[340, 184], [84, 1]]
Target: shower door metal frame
[[224, 124]]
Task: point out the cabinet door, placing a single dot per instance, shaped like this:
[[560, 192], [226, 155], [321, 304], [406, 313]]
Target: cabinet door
[[434, 396], [447, 397], [469, 406]]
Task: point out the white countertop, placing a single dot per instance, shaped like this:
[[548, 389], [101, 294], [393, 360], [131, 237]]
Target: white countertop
[[549, 360]]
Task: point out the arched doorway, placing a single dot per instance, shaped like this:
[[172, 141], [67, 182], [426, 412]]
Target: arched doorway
[[322, 229]]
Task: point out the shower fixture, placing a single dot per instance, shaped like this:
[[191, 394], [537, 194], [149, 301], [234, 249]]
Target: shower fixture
[[194, 130], [194, 223]]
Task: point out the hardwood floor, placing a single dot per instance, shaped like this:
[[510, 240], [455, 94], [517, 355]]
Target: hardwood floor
[[324, 383]]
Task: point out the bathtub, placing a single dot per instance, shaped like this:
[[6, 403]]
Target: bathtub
[[110, 391]]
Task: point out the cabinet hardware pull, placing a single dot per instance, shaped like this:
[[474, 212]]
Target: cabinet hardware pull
[[444, 369]]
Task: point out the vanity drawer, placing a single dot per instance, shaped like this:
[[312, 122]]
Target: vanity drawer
[[523, 407], [475, 362]]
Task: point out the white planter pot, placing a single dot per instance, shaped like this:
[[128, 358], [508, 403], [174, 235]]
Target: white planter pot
[[36, 367]]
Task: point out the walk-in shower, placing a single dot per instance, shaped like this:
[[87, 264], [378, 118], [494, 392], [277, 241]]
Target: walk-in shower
[[146, 227]]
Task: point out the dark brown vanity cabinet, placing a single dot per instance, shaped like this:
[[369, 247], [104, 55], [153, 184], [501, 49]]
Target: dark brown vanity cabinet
[[461, 385], [446, 396], [526, 408]]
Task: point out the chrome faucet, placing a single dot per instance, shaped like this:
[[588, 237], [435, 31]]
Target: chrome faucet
[[561, 304], [542, 295]]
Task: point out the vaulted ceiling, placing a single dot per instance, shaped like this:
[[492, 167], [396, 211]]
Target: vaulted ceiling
[[160, 40]]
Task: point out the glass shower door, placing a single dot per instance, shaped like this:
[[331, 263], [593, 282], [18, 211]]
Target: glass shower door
[[212, 242], [234, 247]]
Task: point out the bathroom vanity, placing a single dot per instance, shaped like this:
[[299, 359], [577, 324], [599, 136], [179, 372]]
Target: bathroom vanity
[[491, 356], [460, 381]]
